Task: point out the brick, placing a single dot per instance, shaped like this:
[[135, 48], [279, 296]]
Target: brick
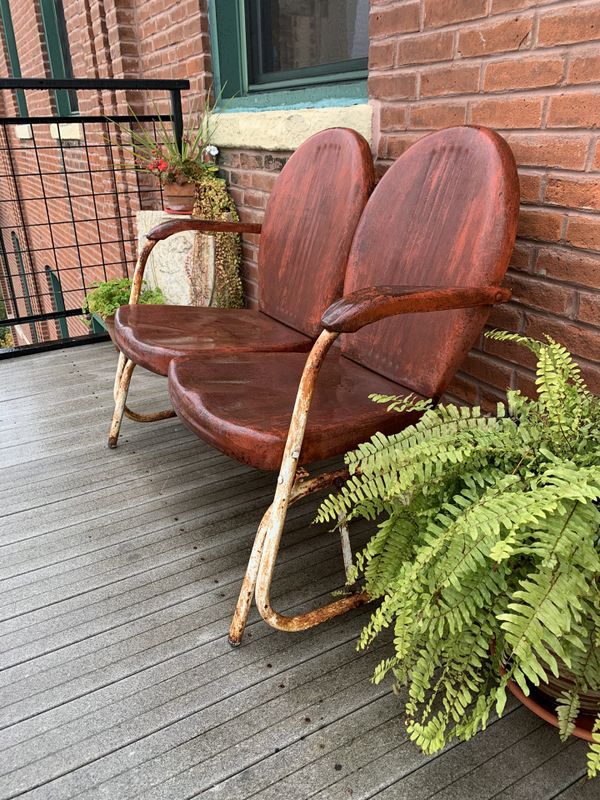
[[584, 232], [455, 79], [540, 224], [585, 68], [506, 317], [437, 115], [596, 163], [510, 351], [577, 110], [549, 150], [522, 255], [501, 6], [489, 399], [381, 55], [524, 382], [495, 37], [392, 87], [495, 373], [392, 147], [447, 12], [508, 112], [531, 188], [591, 375], [392, 117], [568, 265], [423, 48], [577, 192], [572, 23], [251, 161], [589, 307], [463, 390], [578, 340], [255, 199], [394, 20], [537, 293], [263, 180], [523, 73]]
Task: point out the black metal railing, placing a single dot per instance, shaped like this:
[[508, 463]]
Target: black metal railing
[[68, 202]]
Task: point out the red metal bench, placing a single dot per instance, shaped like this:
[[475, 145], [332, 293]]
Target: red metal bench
[[424, 269]]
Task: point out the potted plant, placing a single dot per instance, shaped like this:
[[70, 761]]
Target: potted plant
[[486, 560], [180, 167], [104, 299]]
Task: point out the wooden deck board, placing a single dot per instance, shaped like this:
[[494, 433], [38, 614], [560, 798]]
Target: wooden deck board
[[119, 571]]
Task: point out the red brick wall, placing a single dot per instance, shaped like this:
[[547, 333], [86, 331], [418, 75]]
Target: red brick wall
[[531, 70]]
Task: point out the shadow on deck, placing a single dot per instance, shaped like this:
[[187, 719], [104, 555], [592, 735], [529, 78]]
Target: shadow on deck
[[119, 572]]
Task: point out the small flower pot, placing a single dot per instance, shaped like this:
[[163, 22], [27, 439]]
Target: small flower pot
[[179, 198]]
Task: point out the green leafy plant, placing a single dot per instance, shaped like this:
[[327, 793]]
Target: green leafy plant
[[106, 297], [486, 558], [162, 156]]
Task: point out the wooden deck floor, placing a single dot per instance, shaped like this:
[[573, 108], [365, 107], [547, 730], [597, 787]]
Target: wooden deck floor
[[118, 575]]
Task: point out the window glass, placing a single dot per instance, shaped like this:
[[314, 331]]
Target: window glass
[[287, 38]]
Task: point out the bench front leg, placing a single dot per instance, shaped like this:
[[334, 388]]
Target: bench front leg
[[289, 490]]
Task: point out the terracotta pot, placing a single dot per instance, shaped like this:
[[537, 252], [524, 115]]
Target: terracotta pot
[[179, 198], [544, 706]]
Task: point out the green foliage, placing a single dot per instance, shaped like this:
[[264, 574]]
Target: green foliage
[[108, 296], [486, 559]]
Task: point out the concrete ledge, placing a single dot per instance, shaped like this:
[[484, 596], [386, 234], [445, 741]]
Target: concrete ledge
[[69, 131], [23, 132], [287, 129]]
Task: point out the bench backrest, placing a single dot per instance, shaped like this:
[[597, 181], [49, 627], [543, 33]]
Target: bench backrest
[[309, 224], [445, 214]]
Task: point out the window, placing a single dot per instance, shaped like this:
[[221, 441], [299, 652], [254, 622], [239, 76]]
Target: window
[[273, 45], [13, 55], [57, 45]]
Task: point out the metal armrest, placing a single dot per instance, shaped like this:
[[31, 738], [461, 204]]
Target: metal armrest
[[360, 308], [166, 229]]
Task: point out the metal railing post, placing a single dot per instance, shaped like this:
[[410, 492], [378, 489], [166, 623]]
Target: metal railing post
[[177, 117]]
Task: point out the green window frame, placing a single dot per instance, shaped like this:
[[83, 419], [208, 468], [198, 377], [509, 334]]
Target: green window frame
[[343, 83], [57, 46], [13, 54]]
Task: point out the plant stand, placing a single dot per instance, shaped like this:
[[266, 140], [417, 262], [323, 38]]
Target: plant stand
[[178, 266]]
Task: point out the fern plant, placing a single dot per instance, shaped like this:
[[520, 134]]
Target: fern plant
[[486, 558]]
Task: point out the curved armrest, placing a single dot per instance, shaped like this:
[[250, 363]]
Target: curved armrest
[[352, 312], [166, 229]]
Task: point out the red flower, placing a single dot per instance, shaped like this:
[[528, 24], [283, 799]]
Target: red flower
[[162, 165]]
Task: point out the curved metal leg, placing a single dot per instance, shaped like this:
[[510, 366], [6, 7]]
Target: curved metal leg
[[120, 397], [168, 413], [302, 487], [270, 549], [242, 609]]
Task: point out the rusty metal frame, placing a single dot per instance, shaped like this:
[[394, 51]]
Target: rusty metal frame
[[292, 485], [125, 366]]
